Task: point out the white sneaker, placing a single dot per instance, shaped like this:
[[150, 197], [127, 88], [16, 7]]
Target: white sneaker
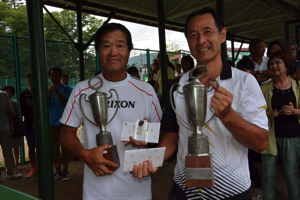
[[14, 176]]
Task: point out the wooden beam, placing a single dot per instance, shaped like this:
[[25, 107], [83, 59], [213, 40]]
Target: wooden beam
[[189, 10], [259, 28], [180, 5], [241, 10], [252, 21], [278, 37]]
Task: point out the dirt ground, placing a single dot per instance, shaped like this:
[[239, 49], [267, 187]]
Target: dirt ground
[[72, 189]]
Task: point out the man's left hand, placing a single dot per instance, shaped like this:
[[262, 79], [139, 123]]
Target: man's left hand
[[144, 169], [221, 102]]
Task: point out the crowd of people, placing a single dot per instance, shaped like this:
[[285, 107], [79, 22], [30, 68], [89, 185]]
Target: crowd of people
[[256, 108]]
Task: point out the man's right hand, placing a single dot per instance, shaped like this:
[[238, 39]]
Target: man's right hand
[[95, 160]]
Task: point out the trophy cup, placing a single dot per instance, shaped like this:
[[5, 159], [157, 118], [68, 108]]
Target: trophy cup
[[98, 103], [198, 162]]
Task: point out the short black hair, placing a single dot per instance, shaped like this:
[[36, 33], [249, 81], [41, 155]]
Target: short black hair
[[65, 74], [270, 47], [110, 27], [132, 70], [206, 10], [189, 59], [55, 68], [28, 75], [6, 87], [245, 64], [254, 43]]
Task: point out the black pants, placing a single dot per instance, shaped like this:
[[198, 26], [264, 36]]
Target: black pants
[[254, 173]]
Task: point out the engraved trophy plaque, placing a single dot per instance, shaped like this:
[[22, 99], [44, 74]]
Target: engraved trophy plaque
[[98, 103], [198, 162]]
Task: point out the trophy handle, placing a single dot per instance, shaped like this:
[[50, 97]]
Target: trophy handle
[[171, 89], [210, 82], [95, 88], [195, 68], [82, 109], [117, 106]]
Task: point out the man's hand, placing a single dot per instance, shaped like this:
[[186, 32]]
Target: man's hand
[[288, 110], [95, 160], [221, 102], [272, 114], [134, 142], [50, 90], [144, 169]]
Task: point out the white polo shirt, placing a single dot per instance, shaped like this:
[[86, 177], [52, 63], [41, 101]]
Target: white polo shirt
[[137, 101], [230, 158], [263, 66]]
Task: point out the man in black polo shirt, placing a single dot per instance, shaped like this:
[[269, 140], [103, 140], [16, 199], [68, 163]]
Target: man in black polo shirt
[[240, 120]]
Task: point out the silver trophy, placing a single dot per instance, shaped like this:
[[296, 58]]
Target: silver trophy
[[195, 95], [98, 103]]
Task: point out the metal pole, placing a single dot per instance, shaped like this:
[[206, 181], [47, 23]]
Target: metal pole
[[40, 98], [162, 48], [221, 10], [232, 51], [148, 61], [18, 87], [297, 34], [287, 32], [80, 42], [97, 62]]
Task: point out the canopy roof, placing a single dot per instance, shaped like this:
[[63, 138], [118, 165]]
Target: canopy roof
[[245, 19]]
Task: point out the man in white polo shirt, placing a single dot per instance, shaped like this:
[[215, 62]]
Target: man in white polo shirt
[[240, 120], [257, 49], [137, 100]]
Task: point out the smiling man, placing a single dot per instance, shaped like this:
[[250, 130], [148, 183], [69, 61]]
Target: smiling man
[[240, 120], [137, 100]]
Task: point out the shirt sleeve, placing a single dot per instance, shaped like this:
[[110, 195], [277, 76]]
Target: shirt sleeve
[[252, 107], [171, 73], [169, 120], [8, 107], [156, 112], [72, 115]]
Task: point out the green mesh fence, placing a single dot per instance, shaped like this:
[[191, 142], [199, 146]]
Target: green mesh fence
[[58, 54]]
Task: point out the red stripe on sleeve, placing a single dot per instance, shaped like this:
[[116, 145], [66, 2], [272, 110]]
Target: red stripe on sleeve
[[140, 89], [75, 100], [156, 111]]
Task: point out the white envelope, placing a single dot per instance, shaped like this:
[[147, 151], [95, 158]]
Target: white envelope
[[152, 134], [137, 156]]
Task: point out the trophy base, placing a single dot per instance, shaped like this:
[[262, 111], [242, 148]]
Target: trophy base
[[112, 155], [199, 171]]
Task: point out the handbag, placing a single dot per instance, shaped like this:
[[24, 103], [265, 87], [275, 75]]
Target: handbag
[[19, 128]]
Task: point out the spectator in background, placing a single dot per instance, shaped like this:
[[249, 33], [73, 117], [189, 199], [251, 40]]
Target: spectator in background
[[273, 47], [133, 71], [246, 65], [177, 69], [58, 98], [153, 70], [6, 130], [291, 48], [245, 57], [187, 63], [171, 76], [282, 97], [65, 79], [16, 141], [26, 105], [257, 49]]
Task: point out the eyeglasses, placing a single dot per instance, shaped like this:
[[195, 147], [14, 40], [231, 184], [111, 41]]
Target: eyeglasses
[[291, 49]]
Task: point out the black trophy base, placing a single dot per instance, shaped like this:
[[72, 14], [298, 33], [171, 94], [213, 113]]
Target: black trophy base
[[112, 155], [199, 171]]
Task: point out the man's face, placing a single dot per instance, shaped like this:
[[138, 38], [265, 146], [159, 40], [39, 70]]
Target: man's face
[[260, 49], [65, 80], [55, 77], [113, 52], [29, 82], [204, 38], [155, 65], [292, 51]]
